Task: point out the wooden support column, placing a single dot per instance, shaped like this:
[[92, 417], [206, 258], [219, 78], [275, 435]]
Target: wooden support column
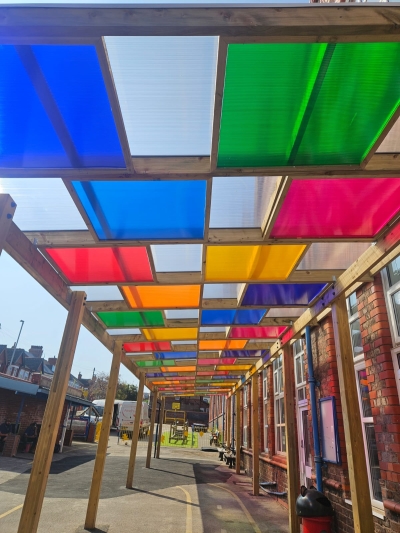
[[228, 422], [160, 425], [255, 434], [135, 434], [95, 488], [238, 434], [359, 486], [293, 474], [51, 420], [7, 210], [151, 433]]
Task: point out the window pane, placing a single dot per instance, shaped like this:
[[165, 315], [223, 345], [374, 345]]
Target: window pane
[[373, 461], [393, 271], [352, 304], [355, 330], [282, 408], [277, 412], [396, 309], [306, 438], [301, 394], [364, 393], [299, 377], [283, 438]]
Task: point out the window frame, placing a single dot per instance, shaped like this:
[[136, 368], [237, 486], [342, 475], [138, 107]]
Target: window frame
[[245, 416], [299, 355], [265, 408], [278, 401], [389, 292]]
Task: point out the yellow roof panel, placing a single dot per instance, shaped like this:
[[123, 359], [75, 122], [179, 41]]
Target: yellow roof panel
[[170, 334], [162, 296], [222, 345], [272, 262]]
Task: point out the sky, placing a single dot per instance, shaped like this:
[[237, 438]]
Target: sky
[[22, 298]]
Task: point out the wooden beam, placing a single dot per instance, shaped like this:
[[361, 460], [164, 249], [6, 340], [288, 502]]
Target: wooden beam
[[359, 486], [255, 435], [7, 210], [293, 476], [275, 203], [135, 434], [151, 432], [95, 488], [359, 23], [238, 430], [33, 502], [171, 165], [160, 426]]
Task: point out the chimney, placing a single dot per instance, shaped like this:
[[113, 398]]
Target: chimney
[[79, 375], [52, 361], [37, 351]]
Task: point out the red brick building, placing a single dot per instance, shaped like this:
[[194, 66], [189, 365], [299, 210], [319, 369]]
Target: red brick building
[[374, 322]]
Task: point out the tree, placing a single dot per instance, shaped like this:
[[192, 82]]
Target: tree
[[99, 385]]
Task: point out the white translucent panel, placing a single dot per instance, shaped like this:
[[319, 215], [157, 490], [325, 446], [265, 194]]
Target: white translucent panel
[[240, 202], [212, 330], [285, 312], [124, 331], [220, 290], [42, 204], [99, 293], [165, 3], [391, 143], [331, 255], [183, 342], [165, 87], [177, 257], [181, 313]]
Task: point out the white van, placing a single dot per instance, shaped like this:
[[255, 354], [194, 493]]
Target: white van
[[124, 414]]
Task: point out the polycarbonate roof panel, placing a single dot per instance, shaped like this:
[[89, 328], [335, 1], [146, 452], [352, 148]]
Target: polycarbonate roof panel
[[231, 316], [306, 103], [212, 330], [99, 293], [329, 255], [240, 202], [124, 331], [267, 332], [164, 296], [220, 290], [349, 207], [177, 257], [42, 204], [144, 209], [181, 313], [175, 355], [121, 319], [281, 294], [102, 265], [165, 87], [133, 347], [285, 312], [67, 79]]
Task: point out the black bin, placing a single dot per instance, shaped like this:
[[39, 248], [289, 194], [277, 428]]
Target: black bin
[[315, 509]]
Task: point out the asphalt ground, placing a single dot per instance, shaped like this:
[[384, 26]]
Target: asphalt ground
[[185, 491]]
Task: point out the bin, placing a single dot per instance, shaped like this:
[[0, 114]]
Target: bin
[[315, 509]]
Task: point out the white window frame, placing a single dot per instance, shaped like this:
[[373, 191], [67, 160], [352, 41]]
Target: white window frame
[[265, 408], [278, 397], [366, 420], [12, 370], [245, 416], [353, 318], [302, 384]]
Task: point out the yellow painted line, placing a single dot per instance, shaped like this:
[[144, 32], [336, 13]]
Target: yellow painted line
[[11, 510], [189, 521], [244, 509]]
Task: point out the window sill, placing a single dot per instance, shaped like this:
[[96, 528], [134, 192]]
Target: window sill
[[376, 511]]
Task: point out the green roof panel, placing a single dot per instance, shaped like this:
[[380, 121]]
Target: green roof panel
[[129, 319], [306, 103]]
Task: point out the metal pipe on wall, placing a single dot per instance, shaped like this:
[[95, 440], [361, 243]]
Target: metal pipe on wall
[[314, 414]]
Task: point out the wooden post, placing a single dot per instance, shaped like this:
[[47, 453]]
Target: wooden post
[[228, 421], [51, 420], [7, 210], [95, 488], [160, 425], [293, 474], [255, 432], [151, 433], [135, 433], [359, 486], [238, 439]]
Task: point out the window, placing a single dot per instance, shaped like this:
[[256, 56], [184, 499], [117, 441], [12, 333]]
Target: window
[[265, 408], [393, 296], [355, 327], [298, 352], [279, 408], [12, 370], [245, 416], [369, 435], [370, 446]]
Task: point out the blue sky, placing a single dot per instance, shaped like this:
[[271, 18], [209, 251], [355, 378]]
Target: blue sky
[[22, 298]]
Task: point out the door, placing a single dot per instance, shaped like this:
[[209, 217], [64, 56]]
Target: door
[[304, 446]]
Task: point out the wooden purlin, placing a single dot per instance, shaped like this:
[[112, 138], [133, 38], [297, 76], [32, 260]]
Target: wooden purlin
[[7, 210]]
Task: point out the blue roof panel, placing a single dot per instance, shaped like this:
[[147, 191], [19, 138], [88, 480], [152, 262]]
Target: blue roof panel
[[281, 294]]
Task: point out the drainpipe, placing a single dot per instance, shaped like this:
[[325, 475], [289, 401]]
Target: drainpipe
[[314, 415]]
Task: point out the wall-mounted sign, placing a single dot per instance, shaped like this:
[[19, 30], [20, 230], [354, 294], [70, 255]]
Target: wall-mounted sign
[[176, 405]]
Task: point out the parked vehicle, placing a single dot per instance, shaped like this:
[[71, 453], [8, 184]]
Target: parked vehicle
[[80, 420], [124, 414]]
